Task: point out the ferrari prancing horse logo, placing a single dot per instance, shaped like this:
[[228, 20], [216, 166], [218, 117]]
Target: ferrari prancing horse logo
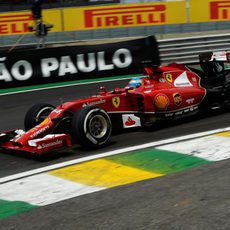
[[168, 77], [116, 102]]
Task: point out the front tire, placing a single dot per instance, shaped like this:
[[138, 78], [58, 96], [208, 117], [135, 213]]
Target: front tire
[[36, 114], [91, 127]]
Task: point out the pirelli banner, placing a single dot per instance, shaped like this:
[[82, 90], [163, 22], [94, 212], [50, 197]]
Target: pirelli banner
[[14, 23], [119, 16], [129, 15], [71, 62], [209, 10], [100, 17]]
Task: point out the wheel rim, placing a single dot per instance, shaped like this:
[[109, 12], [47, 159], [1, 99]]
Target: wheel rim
[[98, 126], [43, 114]]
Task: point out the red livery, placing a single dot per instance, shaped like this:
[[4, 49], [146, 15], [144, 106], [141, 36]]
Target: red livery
[[165, 92]]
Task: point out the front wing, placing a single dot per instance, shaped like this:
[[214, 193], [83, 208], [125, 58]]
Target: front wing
[[39, 146]]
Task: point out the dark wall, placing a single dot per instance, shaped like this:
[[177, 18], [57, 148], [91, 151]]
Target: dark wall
[[64, 63]]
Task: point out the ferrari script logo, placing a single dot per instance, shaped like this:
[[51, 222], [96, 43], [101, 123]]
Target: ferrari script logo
[[168, 77], [116, 102]]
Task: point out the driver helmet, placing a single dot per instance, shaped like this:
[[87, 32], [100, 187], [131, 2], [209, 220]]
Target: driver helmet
[[135, 82]]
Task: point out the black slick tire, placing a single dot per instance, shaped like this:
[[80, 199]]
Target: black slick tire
[[91, 127]]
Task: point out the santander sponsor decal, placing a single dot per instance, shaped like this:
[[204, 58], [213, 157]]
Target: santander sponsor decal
[[92, 103], [130, 120], [50, 145]]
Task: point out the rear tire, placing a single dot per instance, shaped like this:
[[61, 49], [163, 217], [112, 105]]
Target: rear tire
[[91, 127], [36, 114]]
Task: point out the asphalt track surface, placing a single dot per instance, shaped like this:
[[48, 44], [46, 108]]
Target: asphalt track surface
[[195, 199]]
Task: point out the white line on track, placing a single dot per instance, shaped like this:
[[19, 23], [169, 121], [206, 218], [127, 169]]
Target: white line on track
[[110, 153]]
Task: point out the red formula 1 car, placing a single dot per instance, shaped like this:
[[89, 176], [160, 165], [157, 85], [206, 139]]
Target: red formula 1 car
[[166, 92]]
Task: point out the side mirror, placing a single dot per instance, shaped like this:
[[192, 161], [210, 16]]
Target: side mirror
[[128, 88], [102, 90]]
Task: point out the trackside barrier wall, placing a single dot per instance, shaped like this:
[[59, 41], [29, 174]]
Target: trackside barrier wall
[[186, 50], [29, 66], [182, 50]]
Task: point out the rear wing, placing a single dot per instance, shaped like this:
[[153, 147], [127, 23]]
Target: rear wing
[[222, 56]]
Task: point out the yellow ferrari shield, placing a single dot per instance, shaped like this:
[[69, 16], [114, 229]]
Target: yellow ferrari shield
[[168, 77], [116, 102]]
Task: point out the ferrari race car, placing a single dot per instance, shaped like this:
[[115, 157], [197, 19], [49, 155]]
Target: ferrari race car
[[165, 93]]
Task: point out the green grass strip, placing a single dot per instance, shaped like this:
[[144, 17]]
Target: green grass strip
[[158, 161], [11, 208]]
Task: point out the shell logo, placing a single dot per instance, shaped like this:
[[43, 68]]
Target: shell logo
[[161, 101]]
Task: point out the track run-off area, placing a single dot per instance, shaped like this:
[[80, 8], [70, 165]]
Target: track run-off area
[[172, 177]]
